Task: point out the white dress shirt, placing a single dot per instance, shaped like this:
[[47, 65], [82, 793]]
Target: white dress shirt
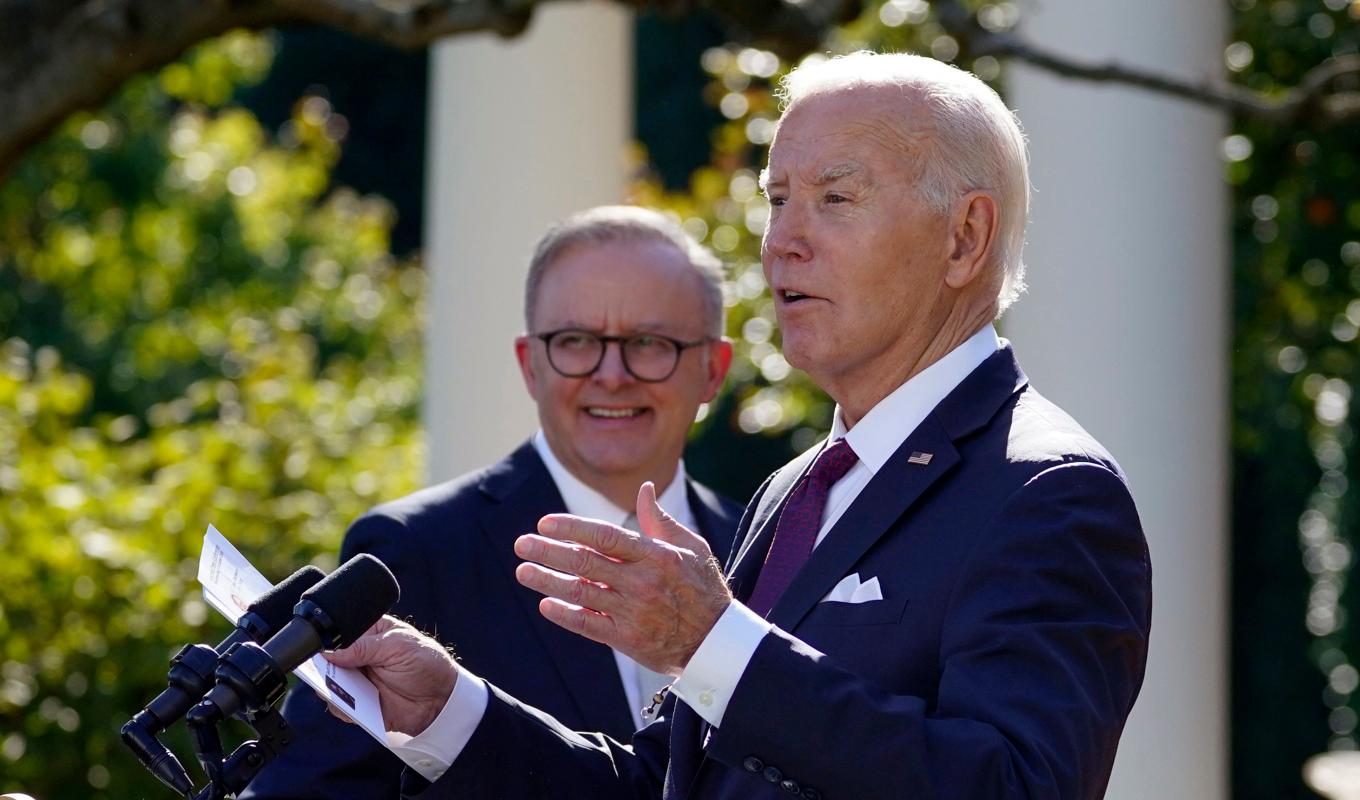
[[437, 746], [713, 671]]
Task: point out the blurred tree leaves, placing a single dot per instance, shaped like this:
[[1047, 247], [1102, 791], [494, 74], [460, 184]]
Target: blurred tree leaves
[[197, 328], [1296, 239]]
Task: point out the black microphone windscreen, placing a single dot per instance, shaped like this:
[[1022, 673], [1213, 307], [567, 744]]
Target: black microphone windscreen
[[354, 596], [275, 606]]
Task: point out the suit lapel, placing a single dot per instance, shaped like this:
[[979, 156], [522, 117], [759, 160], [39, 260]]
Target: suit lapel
[[708, 515], [751, 552], [888, 495], [897, 485], [522, 491]]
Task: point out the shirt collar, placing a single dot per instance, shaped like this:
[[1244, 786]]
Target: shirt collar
[[888, 424], [583, 501]]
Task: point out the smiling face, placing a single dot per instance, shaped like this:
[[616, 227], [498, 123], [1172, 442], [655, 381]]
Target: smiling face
[[855, 259], [609, 429]]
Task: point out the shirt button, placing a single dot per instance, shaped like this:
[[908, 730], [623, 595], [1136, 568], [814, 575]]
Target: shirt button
[[705, 698], [773, 775], [752, 764], [810, 793], [789, 785]]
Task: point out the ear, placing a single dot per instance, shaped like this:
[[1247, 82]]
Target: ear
[[524, 347], [719, 360], [973, 238]]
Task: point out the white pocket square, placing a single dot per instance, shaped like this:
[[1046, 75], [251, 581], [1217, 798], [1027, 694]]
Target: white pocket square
[[850, 590]]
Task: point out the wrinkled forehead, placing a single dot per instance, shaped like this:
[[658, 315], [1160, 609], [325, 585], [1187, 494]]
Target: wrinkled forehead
[[843, 132], [642, 285]]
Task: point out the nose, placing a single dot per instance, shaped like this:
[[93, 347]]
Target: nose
[[612, 373], [786, 234]]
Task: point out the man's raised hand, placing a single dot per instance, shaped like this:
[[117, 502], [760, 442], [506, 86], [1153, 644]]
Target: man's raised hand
[[654, 596]]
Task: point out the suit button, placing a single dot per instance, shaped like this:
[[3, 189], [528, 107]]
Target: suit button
[[810, 793], [773, 775], [752, 765], [790, 786]]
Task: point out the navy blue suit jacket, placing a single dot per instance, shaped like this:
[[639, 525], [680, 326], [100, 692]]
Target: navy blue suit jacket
[[1002, 661], [450, 547]]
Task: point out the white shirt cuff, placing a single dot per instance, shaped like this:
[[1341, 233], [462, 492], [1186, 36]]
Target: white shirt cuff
[[433, 750], [710, 678]]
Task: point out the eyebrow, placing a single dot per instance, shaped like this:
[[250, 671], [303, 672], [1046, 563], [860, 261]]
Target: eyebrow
[[654, 326], [836, 172], [828, 175]]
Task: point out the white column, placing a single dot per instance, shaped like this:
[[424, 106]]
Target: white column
[[1125, 326], [522, 132]]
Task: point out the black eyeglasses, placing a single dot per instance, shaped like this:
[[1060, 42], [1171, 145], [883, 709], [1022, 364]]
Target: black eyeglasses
[[649, 357]]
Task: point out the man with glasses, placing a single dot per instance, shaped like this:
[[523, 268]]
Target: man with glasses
[[624, 316]]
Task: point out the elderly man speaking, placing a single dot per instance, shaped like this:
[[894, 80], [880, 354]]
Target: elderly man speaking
[[948, 598]]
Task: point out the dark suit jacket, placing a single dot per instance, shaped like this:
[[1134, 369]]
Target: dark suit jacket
[[450, 547], [1002, 661]]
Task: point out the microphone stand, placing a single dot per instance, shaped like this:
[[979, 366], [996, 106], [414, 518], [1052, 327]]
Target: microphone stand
[[249, 684], [230, 775], [191, 672]]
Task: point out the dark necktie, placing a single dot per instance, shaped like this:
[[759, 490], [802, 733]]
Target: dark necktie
[[796, 531]]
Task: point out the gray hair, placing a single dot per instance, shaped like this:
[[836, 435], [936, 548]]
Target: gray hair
[[613, 224], [977, 142]]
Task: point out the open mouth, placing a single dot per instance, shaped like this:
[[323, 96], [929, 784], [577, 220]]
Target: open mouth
[[614, 413], [792, 296]]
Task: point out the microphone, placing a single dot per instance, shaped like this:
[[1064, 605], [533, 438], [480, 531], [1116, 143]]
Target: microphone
[[330, 615], [191, 675]]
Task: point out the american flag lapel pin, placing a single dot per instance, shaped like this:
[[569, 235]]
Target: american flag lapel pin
[[917, 457]]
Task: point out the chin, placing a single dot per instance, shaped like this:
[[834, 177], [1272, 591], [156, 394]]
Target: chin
[[799, 353], [615, 464]]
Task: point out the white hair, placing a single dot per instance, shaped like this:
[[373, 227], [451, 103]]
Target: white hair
[[976, 141]]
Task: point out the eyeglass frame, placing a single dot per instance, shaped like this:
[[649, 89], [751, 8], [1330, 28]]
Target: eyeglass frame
[[680, 346]]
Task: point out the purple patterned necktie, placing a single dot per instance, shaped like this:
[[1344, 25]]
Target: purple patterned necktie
[[796, 531]]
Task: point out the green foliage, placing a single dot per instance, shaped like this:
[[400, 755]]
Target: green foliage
[[196, 329], [1296, 229]]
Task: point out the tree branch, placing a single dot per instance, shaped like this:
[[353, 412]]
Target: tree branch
[[1310, 101], [58, 57], [75, 55], [790, 29]]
